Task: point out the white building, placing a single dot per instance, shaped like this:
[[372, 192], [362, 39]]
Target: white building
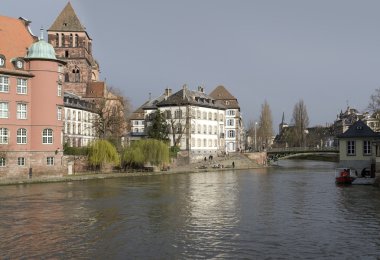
[[196, 121], [234, 131], [79, 121]]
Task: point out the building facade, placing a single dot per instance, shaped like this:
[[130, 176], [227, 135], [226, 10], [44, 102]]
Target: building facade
[[79, 120], [195, 121], [30, 77], [234, 129]]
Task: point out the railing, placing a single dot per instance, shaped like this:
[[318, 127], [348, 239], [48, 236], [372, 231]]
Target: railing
[[303, 149]]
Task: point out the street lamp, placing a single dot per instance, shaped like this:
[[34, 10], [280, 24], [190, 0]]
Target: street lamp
[[255, 137]]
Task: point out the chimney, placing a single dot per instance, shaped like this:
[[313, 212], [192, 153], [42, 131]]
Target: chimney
[[184, 87], [168, 92]]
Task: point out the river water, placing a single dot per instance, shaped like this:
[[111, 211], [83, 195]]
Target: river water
[[291, 211]]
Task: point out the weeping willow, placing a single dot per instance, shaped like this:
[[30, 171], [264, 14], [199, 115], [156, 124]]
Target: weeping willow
[[102, 151], [144, 151]]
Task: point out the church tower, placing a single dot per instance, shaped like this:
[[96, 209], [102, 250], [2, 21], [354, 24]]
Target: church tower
[[73, 45]]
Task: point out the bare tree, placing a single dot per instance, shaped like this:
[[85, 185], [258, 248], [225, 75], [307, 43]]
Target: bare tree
[[265, 131], [112, 110], [301, 122], [178, 124], [374, 104]]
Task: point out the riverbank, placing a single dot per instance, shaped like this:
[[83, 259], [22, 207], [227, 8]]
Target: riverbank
[[93, 175]]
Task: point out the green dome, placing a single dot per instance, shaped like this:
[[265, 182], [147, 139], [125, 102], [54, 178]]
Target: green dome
[[41, 50]]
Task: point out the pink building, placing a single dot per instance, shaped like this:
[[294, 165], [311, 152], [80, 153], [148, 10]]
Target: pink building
[[31, 103]]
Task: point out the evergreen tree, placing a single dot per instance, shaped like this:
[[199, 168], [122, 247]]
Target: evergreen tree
[[159, 128]]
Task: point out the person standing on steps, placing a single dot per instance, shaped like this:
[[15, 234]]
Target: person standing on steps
[[233, 164]]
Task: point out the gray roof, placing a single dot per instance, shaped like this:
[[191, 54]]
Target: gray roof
[[359, 129], [188, 97], [67, 21]]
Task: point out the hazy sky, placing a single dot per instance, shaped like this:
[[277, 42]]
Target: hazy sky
[[326, 52]]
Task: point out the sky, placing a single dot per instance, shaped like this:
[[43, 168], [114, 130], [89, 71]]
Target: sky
[[325, 52]]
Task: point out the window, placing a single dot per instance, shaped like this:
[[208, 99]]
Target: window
[[47, 136], [209, 116], [193, 129], [204, 129], [3, 109], [178, 114], [56, 40], [209, 130], [367, 148], [231, 133], [204, 115], [199, 129], [230, 122], [4, 84], [2, 162], [21, 136], [22, 86], [215, 116], [221, 117], [3, 135], [21, 111], [168, 114], [230, 112], [50, 160], [59, 90], [21, 161], [59, 113], [351, 148], [63, 40]]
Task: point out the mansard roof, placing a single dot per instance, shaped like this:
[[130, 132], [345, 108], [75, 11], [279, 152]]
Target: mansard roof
[[67, 21], [188, 97], [357, 130], [221, 94], [15, 38]]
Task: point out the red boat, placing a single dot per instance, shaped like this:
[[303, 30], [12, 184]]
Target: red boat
[[344, 176]]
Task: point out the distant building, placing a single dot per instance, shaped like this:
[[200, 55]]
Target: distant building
[[31, 102]]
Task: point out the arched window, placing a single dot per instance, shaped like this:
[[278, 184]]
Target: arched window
[[209, 116], [71, 40], [47, 136], [56, 40], [63, 40], [21, 136], [76, 40], [67, 78]]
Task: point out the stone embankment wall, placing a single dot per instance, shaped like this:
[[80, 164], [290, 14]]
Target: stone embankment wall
[[259, 157]]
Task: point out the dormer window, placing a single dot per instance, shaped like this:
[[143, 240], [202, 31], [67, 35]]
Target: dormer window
[[2, 61]]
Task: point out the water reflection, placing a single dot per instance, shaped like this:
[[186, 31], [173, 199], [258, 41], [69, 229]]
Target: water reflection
[[291, 211]]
